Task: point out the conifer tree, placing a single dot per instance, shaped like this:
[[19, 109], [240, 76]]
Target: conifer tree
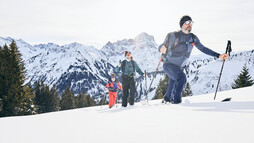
[[90, 101], [187, 90], [55, 99], [162, 88], [28, 101], [244, 79], [16, 97], [46, 99], [67, 101], [82, 100]]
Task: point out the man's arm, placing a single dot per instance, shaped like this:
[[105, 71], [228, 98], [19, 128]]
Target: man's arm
[[168, 42], [118, 68], [204, 49], [138, 69], [208, 51]]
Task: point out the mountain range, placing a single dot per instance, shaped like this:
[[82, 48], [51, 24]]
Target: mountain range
[[86, 68]]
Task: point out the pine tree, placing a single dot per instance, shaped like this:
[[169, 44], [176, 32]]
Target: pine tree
[[1, 105], [16, 97], [28, 101], [90, 100], [46, 99], [67, 101], [161, 88], [4, 83], [243, 79], [187, 90], [55, 99], [82, 100]]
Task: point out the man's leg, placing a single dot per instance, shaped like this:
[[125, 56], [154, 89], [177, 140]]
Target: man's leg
[[176, 73], [169, 92], [125, 91], [132, 91]]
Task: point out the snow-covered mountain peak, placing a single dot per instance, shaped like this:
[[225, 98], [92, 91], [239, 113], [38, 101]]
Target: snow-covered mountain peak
[[73, 45], [140, 42], [143, 41], [144, 37], [143, 47], [26, 49], [50, 47], [6, 40]]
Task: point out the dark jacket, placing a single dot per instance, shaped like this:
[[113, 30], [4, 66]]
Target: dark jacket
[[180, 54], [128, 70]]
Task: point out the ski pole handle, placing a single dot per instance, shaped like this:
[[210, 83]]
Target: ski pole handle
[[119, 65], [159, 63], [228, 49]]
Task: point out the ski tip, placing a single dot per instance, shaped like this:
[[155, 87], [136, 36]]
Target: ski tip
[[227, 99]]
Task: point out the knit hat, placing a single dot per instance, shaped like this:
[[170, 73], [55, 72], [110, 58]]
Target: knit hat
[[126, 52], [184, 19], [113, 75]]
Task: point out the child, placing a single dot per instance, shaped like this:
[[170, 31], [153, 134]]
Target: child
[[112, 86]]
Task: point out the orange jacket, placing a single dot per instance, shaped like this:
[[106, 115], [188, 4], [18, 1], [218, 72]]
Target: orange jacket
[[112, 85]]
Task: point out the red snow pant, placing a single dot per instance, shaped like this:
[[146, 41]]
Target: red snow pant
[[112, 98]]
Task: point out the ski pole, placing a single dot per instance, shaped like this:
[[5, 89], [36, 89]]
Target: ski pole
[[146, 86], [228, 50], [117, 87], [154, 76]]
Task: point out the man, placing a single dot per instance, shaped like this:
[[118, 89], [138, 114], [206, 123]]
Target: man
[[128, 68], [177, 48]]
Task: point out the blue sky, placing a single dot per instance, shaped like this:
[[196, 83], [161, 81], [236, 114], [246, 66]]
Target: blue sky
[[95, 22]]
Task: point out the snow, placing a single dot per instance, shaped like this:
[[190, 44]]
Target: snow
[[197, 119]]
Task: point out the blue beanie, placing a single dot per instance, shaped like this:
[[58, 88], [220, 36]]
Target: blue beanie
[[184, 19]]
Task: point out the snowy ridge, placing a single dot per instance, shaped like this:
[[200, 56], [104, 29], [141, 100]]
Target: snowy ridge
[[143, 48], [87, 68], [26, 49], [81, 67], [199, 119]]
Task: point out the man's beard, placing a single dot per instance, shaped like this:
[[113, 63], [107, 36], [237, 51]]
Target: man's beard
[[186, 31]]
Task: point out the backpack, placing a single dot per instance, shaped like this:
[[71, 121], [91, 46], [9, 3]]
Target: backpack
[[124, 65], [114, 89], [176, 41]]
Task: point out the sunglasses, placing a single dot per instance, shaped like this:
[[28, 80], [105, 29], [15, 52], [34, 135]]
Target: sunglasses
[[188, 22]]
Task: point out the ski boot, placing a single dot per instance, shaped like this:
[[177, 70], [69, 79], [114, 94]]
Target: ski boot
[[165, 99]]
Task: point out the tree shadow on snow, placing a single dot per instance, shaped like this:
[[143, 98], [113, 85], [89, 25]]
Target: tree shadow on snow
[[241, 107]]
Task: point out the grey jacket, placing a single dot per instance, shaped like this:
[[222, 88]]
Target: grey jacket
[[182, 47]]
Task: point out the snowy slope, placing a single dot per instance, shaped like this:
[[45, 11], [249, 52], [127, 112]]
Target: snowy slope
[[204, 72], [199, 119]]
